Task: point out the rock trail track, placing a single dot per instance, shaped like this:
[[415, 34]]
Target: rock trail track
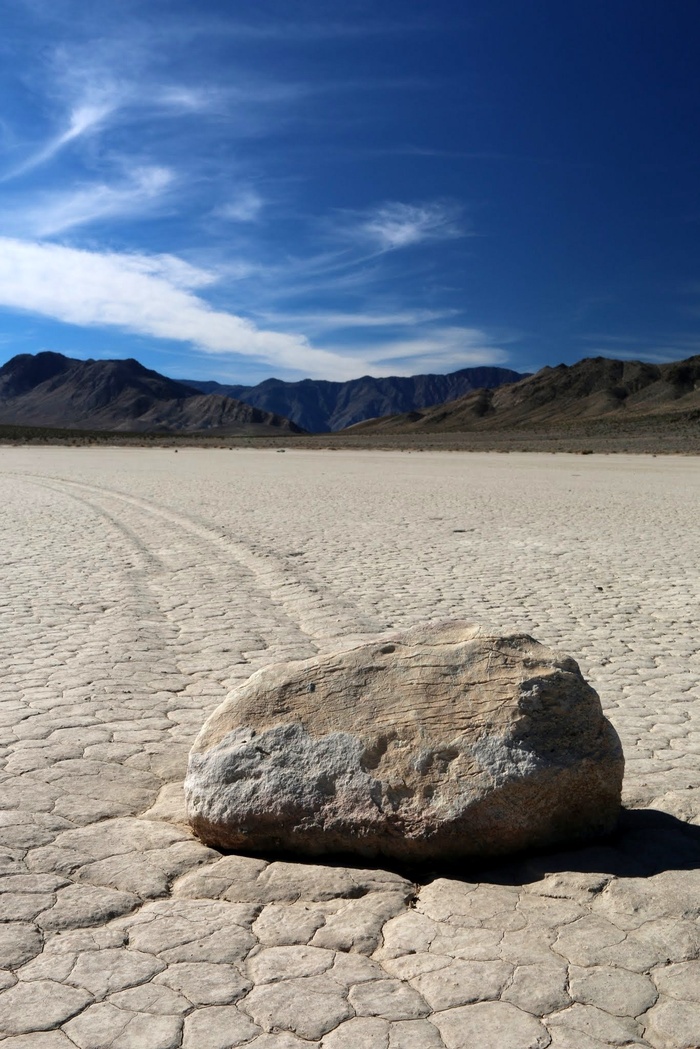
[[139, 586]]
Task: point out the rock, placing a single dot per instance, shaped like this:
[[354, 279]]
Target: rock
[[444, 741]]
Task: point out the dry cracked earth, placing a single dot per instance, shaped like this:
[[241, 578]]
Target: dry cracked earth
[[138, 587]]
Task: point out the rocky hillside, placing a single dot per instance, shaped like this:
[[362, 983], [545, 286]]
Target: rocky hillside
[[120, 395], [593, 390], [320, 406]]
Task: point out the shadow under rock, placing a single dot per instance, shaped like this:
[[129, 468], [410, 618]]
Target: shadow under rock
[[646, 842]]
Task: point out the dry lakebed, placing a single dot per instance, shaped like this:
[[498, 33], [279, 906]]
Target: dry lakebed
[[139, 586]]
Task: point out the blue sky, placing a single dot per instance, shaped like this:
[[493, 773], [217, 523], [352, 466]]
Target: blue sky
[[240, 189]]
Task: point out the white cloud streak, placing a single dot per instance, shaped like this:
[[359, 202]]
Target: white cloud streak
[[56, 213], [155, 296], [658, 348], [395, 225], [245, 206], [92, 97], [440, 349], [149, 296], [654, 355], [84, 119], [184, 99], [335, 320]]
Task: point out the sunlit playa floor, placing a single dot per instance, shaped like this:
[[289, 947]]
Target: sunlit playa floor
[[139, 586]]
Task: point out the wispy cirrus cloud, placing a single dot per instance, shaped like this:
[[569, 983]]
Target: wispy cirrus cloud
[[52, 213], [184, 98], [439, 349], [84, 119], [105, 105], [360, 254], [650, 348], [334, 320], [395, 225], [114, 83], [310, 30], [244, 206]]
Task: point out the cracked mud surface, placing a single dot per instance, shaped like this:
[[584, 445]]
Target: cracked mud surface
[[139, 586]]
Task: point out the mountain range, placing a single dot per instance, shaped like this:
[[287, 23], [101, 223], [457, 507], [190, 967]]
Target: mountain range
[[593, 391], [52, 390], [320, 406], [49, 389]]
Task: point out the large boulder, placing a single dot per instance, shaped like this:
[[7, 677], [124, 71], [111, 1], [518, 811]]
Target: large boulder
[[447, 740]]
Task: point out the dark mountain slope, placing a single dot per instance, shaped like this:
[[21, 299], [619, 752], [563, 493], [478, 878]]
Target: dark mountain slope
[[25, 372], [223, 415], [562, 397], [320, 406], [51, 390]]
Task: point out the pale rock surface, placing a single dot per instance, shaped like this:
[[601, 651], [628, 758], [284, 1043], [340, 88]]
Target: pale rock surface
[[414, 1034], [616, 991], [673, 1025], [490, 1025], [461, 982], [105, 1027], [283, 925], [284, 963], [447, 740], [680, 981], [43, 1040], [359, 1033], [39, 1006], [218, 1027], [538, 989], [597, 1023], [205, 983], [278, 1041], [309, 1007], [391, 999]]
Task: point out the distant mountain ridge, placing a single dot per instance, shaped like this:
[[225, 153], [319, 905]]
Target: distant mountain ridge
[[48, 389], [594, 389], [320, 406]]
